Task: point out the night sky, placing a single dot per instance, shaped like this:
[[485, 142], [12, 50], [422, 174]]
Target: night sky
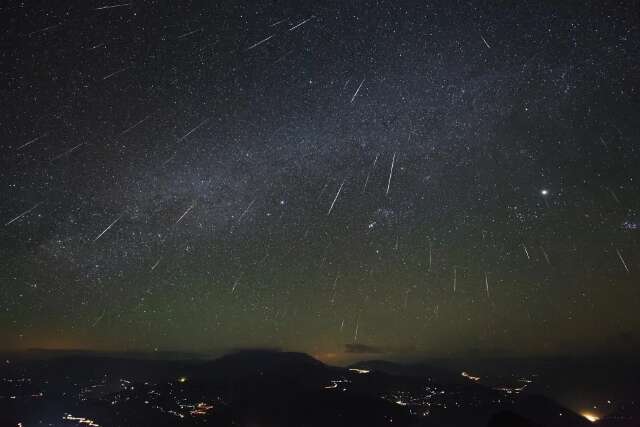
[[413, 178]]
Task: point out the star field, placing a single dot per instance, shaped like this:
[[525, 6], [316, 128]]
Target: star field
[[419, 178]]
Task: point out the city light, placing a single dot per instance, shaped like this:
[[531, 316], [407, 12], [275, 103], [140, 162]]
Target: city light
[[81, 420], [201, 409], [469, 376], [590, 416]]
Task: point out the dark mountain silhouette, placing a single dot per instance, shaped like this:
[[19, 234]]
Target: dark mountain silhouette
[[509, 419], [411, 370], [545, 412], [267, 388], [272, 388], [262, 362]]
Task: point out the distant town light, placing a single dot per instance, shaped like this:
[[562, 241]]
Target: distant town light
[[81, 420], [591, 417], [201, 409], [469, 376]]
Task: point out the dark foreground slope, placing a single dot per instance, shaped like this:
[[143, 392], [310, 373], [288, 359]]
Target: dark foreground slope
[[258, 388]]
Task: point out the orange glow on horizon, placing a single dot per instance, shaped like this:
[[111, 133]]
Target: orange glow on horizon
[[590, 416]]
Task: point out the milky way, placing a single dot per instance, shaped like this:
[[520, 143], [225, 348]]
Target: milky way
[[413, 177]]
